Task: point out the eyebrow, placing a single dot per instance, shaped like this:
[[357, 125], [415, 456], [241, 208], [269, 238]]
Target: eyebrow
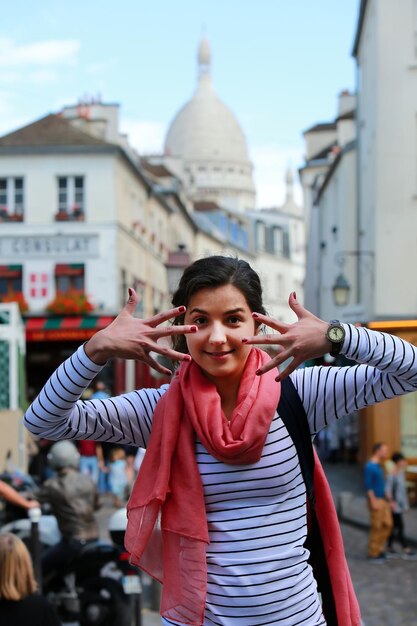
[[231, 312]]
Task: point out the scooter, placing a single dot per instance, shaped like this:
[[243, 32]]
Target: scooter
[[99, 587]]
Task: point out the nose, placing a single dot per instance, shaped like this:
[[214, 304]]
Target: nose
[[217, 334]]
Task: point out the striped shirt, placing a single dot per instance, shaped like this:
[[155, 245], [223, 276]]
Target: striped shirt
[[257, 565]]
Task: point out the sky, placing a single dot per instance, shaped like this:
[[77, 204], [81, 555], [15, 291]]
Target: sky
[[279, 65]]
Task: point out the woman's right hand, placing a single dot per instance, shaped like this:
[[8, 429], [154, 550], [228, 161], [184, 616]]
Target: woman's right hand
[[129, 337]]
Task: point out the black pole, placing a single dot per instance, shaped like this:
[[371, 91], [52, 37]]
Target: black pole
[[35, 545]]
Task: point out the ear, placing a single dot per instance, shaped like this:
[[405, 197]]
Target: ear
[[258, 327]]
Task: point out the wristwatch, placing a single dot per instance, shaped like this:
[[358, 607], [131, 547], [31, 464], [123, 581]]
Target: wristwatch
[[336, 335]]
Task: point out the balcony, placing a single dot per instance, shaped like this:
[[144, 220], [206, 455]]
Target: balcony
[[76, 215], [5, 216]]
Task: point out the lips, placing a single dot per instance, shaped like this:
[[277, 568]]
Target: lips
[[219, 354]]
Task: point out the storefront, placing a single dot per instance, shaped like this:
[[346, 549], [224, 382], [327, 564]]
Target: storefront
[[51, 339]]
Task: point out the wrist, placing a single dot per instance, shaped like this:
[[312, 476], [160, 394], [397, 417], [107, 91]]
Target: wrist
[[97, 350]]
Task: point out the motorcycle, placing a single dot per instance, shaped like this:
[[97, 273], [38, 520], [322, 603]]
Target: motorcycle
[[99, 587]]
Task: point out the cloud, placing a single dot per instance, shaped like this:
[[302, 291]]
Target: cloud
[[41, 54], [146, 136], [270, 167]]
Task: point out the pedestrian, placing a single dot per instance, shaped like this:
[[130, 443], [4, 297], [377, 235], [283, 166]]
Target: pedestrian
[[20, 605], [118, 478], [379, 507], [73, 499], [102, 451], [90, 457], [396, 493], [220, 466]]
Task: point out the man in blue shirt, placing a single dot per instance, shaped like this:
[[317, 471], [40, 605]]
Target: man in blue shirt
[[379, 507]]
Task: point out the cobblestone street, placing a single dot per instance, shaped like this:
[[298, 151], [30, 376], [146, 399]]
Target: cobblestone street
[[386, 592]]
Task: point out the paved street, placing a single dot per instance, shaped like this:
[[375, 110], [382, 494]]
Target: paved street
[[387, 593]]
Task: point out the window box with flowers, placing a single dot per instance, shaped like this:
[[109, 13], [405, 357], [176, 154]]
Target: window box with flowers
[[16, 297], [70, 303]]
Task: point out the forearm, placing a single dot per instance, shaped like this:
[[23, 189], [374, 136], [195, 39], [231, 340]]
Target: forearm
[[57, 413], [388, 368], [372, 499], [13, 496], [56, 408]]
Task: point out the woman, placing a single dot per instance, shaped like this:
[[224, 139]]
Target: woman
[[220, 465], [19, 604]]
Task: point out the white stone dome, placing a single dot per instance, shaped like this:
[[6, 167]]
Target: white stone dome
[[208, 139], [205, 128]]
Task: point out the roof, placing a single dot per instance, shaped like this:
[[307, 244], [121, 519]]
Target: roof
[[361, 19], [322, 154], [51, 130], [349, 115], [352, 145], [156, 169], [206, 205], [320, 127]]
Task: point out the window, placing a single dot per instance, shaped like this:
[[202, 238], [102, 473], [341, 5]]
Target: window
[[10, 280], [69, 277], [12, 198], [260, 236], [278, 241], [71, 196]]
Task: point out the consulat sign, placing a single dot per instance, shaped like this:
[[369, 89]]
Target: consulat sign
[[43, 246]]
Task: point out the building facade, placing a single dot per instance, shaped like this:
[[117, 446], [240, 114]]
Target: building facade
[[359, 183]]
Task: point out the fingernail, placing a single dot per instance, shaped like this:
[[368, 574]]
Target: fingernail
[[181, 309], [258, 372], [187, 357], [244, 340], [278, 378], [255, 314], [194, 329], [295, 295], [130, 290]]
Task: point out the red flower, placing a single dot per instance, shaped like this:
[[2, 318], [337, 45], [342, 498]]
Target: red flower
[[16, 297], [70, 303]]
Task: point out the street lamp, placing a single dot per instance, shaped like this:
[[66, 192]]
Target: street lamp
[[177, 261], [341, 291], [341, 288]]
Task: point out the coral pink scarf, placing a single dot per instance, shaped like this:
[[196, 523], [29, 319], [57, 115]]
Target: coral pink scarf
[[169, 483]]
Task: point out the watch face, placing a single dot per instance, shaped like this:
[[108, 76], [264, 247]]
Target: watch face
[[336, 333]]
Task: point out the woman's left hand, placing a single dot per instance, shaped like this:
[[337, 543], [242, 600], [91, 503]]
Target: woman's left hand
[[305, 339]]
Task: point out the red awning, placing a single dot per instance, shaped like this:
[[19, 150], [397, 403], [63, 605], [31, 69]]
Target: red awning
[[65, 328]]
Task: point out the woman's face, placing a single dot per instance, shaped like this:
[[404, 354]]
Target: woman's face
[[223, 317]]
